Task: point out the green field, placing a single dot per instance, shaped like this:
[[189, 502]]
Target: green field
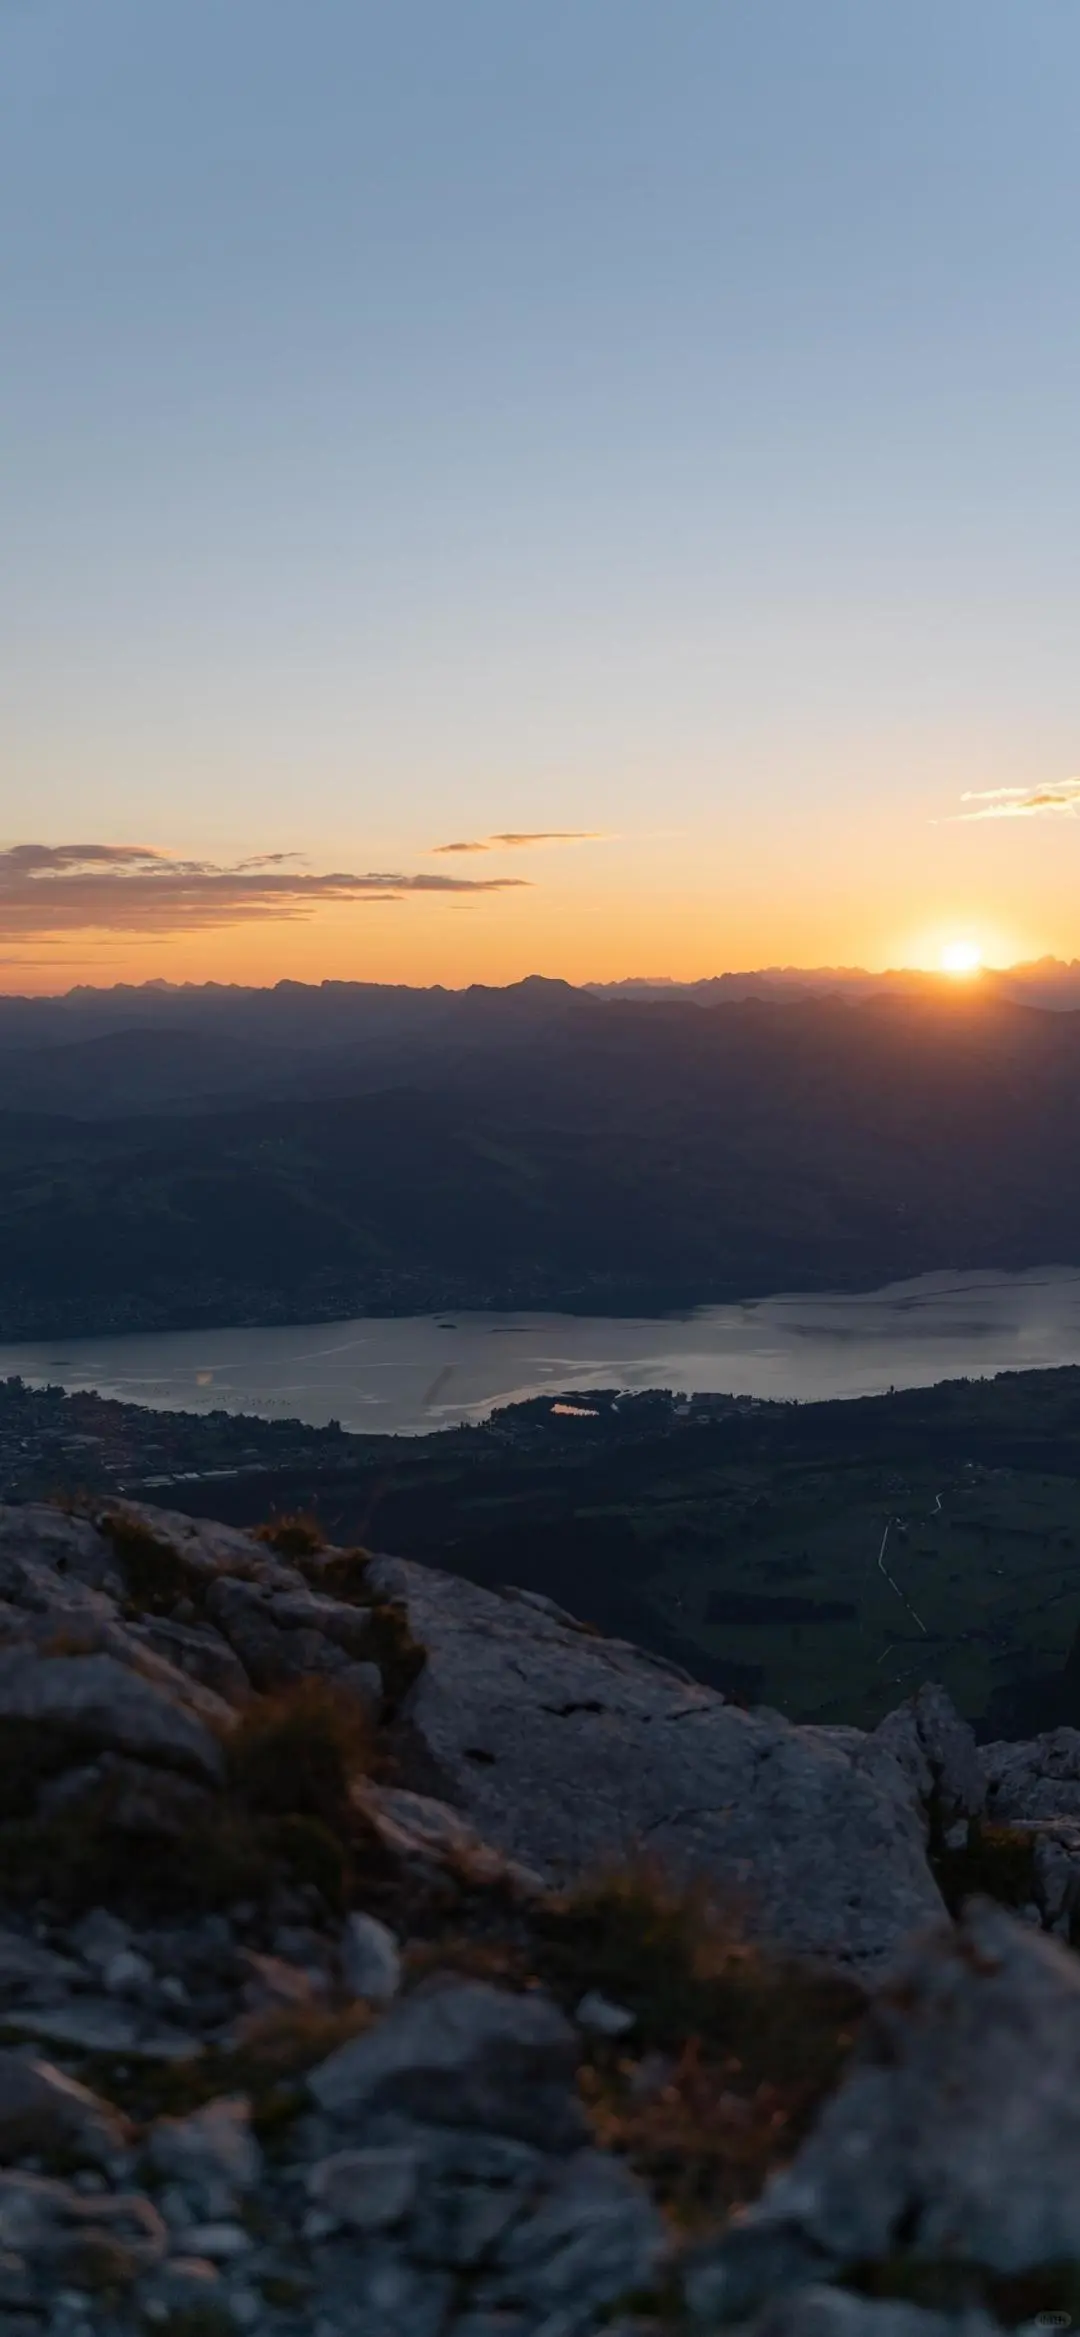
[[743, 1540], [985, 1564]]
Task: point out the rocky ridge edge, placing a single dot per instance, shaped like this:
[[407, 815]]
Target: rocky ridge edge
[[422, 2152]]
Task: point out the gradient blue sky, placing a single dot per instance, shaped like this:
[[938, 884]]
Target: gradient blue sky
[[421, 422]]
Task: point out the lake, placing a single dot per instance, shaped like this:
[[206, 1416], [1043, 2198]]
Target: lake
[[413, 1373]]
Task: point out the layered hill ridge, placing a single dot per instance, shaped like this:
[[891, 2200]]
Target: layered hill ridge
[[380, 1954], [540, 1148]]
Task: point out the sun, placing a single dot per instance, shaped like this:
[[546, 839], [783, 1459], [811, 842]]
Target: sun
[[961, 957]]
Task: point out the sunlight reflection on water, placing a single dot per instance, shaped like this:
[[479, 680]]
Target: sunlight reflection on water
[[411, 1373]]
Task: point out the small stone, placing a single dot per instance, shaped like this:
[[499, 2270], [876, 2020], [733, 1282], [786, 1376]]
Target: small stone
[[212, 2156], [370, 1959], [182, 2284], [42, 2110], [220, 2243], [363, 1682], [463, 2053], [389, 2295], [273, 1985], [369, 2190], [28, 1968], [99, 1937], [99, 2025], [175, 2209], [594, 2239], [605, 2019], [128, 1973]]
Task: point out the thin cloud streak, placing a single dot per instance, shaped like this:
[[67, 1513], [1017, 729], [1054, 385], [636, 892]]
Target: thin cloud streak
[[1058, 800], [134, 888], [515, 841]]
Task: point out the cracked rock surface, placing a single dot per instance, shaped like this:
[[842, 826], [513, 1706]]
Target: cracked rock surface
[[567, 1750], [362, 2096]]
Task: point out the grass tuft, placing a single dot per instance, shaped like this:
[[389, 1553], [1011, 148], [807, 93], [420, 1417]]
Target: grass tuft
[[399, 1656], [294, 1535], [733, 2048], [285, 1812], [343, 1574], [155, 1576], [295, 1754]]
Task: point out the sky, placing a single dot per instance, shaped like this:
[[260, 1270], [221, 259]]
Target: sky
[[633, 439]]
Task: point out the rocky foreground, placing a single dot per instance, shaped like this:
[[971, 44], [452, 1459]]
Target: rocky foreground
[[384, 1957]]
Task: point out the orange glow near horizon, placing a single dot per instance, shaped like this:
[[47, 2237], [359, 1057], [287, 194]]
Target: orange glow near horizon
[[454, 945], [645, 910]]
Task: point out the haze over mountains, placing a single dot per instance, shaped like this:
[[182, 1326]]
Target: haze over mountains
[[160, 1046], [259, 1156]]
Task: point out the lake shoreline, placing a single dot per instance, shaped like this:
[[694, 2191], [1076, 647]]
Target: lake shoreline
[[29, 1321], [414, 1374]]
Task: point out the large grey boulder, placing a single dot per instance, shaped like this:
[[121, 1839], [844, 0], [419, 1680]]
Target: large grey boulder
[[130, 1648], [466, 2054], [271, 1657], [954, 2136], [568, 1751], [130, 1797], [936, 1749], [37, 1539], [282, 1636], [94, 1703], [1056, 1871], [60, 1590], [195, 1550], [533, 2241], [197, 1650], [1036, 1779]]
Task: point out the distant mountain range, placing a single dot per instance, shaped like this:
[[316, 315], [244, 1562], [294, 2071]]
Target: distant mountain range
[[1044, 982], [261, 1156], [160, 1047]]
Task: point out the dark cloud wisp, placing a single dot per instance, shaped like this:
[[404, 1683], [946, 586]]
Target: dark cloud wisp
[[133, 888], [517, 842]]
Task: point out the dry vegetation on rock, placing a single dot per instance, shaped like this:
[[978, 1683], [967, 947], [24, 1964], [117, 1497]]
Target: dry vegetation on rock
[[291, 2044]]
